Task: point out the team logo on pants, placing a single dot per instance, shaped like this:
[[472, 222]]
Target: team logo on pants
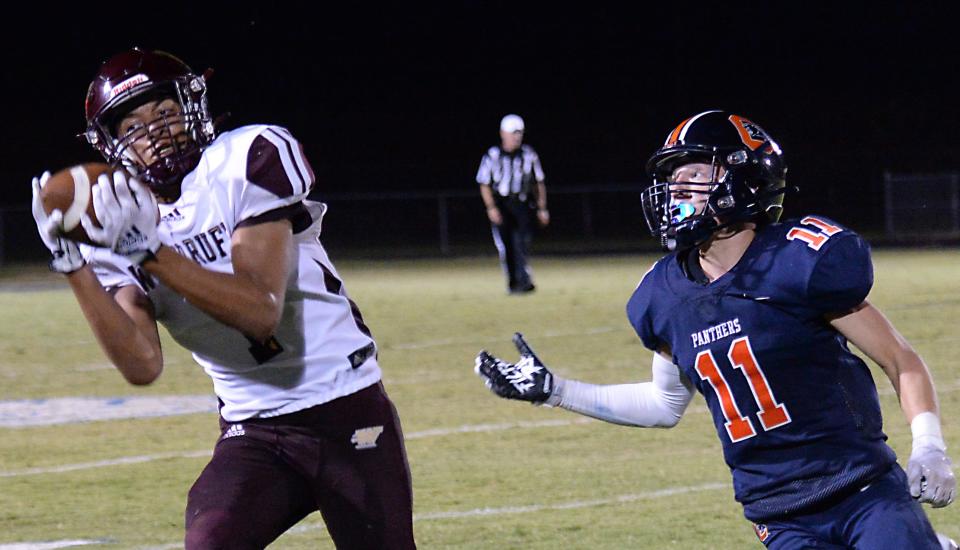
[[761, 530], [366, 438], [234, 431]]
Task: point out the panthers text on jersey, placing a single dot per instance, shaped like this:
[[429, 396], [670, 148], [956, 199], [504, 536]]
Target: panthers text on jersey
[[322, 349], [797, 412]]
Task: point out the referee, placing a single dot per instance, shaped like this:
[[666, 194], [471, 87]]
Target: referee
[[513, 191]]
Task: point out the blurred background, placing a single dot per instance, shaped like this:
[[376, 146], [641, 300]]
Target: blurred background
[[395, 104]]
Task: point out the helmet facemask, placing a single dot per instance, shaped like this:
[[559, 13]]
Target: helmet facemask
[[685, 213]]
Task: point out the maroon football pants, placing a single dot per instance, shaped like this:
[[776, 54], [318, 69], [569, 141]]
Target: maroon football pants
[[345, 458]]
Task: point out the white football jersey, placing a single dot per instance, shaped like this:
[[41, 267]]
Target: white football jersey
[[322, 349]]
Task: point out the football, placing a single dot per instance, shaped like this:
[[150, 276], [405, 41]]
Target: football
[[69, 190]]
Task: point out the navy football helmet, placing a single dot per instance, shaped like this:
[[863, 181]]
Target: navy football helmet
[[748, 183], [130, 79]]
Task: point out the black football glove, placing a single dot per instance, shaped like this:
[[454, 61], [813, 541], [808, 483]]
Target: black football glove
[[527, 380]]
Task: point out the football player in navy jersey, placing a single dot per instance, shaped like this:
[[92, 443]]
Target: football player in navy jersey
[[756, 315], [214, 237]]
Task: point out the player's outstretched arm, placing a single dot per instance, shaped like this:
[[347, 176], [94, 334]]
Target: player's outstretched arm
[[929, 469], [123, 323], [659, 403], [251, 298]]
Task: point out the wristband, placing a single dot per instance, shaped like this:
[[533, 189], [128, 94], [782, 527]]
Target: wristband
[[925, 428]]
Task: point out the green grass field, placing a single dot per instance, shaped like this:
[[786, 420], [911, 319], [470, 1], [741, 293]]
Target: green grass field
[[487, 473]]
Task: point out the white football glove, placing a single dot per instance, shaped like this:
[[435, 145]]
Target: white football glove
[[929, 470], [66, 253], [127, 212], [528, 380], [930, 474]]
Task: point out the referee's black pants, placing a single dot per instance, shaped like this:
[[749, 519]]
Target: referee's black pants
[[512, 239]]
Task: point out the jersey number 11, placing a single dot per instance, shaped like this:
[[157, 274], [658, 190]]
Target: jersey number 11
[[772, 414]]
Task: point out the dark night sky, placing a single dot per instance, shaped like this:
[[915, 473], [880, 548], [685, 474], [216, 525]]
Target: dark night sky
[[408, 98]]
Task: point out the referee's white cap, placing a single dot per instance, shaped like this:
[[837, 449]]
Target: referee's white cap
[[511, 123]]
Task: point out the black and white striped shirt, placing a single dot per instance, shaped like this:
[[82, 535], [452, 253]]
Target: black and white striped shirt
[[510, 173]]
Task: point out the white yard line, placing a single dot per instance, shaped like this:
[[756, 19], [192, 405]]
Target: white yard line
[[526, 509], [138, 459], [571, 505], [949, 387], [474, 428], [529, 508], [24, 413], [50, 545], [103, 464], [436, 432]]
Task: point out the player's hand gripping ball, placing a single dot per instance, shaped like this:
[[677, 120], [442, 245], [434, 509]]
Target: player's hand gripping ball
[[70, 191]]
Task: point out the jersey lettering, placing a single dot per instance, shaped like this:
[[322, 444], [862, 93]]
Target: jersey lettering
[[772, 414], [147, 283], [814, 239]]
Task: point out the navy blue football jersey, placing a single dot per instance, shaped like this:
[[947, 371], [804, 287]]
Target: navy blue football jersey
[[796, 410]]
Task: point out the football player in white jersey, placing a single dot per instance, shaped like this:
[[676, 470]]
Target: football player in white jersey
[[234, 269]]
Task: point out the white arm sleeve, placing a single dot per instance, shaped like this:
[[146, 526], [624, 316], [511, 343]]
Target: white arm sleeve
[[658, 403]]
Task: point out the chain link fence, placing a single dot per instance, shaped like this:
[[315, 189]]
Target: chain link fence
[[597, 218], [920, 207], [917, 209]]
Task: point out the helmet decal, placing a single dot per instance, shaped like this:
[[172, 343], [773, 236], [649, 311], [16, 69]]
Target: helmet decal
[[114, 91], [752, 135]]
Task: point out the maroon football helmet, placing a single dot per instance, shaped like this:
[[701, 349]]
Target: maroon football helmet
[[127, 81]]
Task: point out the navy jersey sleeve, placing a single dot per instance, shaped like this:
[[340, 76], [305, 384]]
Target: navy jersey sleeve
[[843, 276], [641, 310]]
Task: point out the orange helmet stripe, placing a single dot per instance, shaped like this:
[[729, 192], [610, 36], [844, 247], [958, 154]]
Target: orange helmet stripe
[[675, 134]]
